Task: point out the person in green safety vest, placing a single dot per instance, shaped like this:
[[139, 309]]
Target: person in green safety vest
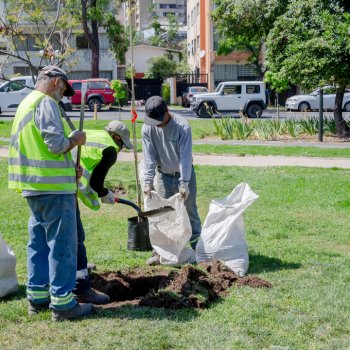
[[42, 168], [97, 156]]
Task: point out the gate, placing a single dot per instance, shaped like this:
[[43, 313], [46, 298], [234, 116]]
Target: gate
[[183, 81], [145, 88]]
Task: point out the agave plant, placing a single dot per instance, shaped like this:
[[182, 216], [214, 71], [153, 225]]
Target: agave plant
[[329, 126]]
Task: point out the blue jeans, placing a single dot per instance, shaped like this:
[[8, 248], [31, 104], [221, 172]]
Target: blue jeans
[[167, 185], [52, 250], [83, 283]]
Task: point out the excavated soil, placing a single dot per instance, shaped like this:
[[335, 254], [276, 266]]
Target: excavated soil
[[191, 286]]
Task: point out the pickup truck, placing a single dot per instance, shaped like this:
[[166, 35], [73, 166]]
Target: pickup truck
[[249, 97], [16, 89]]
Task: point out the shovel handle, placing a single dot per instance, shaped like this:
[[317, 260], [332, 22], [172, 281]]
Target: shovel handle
[[131, 204]]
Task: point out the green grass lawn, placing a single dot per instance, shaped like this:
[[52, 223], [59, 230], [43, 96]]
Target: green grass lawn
[[298, 234]]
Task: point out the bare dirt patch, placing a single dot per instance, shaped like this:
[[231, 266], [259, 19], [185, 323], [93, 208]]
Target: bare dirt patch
[[190, 286]]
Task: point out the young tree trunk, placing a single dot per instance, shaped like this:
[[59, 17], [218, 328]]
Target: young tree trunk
[[342, 128]]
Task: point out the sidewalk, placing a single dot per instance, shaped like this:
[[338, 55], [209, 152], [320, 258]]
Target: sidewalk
[[249, 161]]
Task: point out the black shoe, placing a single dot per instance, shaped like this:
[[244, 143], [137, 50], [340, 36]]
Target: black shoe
[[34, 309], [93, 296], [78, 311]]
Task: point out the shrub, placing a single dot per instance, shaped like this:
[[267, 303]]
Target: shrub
[[166, 92]]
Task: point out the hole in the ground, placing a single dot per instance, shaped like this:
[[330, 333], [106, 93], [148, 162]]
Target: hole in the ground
[[191, 286]]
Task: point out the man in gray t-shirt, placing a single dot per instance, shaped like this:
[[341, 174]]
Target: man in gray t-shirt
[[167, 153]]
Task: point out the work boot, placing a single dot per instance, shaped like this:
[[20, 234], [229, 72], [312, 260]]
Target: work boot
[[154, 259], [34, 309], [78, 311], [93, 296]]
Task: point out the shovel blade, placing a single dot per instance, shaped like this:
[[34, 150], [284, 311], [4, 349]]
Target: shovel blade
[[155, 212]]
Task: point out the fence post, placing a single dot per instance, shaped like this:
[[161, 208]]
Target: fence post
[[320, 118]]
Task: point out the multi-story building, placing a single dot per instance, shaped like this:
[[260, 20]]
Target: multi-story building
[[202, 43], [142, 16]]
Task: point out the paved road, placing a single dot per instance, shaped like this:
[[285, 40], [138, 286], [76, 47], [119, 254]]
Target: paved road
[[249, 161], [105, 114]]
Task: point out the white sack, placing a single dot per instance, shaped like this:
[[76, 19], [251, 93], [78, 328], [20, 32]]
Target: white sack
[[8, 277], [170, 233], [223, 232]]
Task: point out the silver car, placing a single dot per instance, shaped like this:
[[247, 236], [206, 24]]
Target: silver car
[[187, 96], [312, 101]]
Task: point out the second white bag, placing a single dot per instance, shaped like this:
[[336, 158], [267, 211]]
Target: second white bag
[[223, 232]]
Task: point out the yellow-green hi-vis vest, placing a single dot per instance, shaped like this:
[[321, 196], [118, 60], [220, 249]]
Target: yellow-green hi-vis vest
[[32, 166], [91, 155]]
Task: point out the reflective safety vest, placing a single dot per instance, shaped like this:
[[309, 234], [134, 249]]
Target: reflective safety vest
[[32, 166], [91, 155]]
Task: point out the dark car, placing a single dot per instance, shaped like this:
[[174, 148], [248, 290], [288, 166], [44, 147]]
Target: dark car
[[187, 96]]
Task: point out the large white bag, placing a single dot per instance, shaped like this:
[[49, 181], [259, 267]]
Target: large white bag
[[8, 277], [170, 233], [223, 232]]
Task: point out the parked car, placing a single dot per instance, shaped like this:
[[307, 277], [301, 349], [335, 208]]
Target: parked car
[[98, 92], [12, 93], [246, 96], [187, 96], [312, 101]]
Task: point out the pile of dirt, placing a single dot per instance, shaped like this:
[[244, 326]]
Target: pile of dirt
[[191, 286]]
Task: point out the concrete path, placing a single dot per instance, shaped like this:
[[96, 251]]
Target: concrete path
[[250, 161]]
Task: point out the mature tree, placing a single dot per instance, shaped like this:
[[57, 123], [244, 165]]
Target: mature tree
[[32, 36], [245, 24], [172, 32], [95, 14], [309, 46], [157, 38]]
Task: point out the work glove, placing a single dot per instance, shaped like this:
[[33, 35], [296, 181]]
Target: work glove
[[147, 188], [108, 198], [184, 190]]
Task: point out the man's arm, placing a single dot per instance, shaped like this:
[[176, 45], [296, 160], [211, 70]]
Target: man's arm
[[185, 152], [149, 155], [48, 120]]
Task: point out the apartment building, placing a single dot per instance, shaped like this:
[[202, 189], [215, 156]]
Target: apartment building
[[142, 16], [202, 44]]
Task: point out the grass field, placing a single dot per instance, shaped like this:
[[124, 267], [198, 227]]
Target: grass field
[[204, 128], [298, 234]]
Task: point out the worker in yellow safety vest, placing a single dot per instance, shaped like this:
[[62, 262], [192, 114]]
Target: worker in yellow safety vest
[[42, 168]]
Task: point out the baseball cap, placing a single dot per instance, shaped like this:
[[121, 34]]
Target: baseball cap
[[55, 71], [120, 129], [155, 108]]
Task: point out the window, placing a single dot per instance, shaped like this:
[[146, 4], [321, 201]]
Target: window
[[253, 89], [15, 85], [232, 90], [81, 42], [76, 86], [198, 42]]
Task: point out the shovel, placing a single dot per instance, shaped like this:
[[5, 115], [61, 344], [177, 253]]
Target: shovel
[[148, 213]]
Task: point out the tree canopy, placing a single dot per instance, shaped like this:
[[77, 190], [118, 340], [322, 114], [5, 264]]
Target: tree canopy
[[245, 24], [309, 46]]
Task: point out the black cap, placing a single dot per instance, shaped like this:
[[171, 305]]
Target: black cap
[[155, 108], [55, 71]]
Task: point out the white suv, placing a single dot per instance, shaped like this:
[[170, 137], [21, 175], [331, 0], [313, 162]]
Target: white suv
[[310, 102], [14, 91], [246, 96]]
